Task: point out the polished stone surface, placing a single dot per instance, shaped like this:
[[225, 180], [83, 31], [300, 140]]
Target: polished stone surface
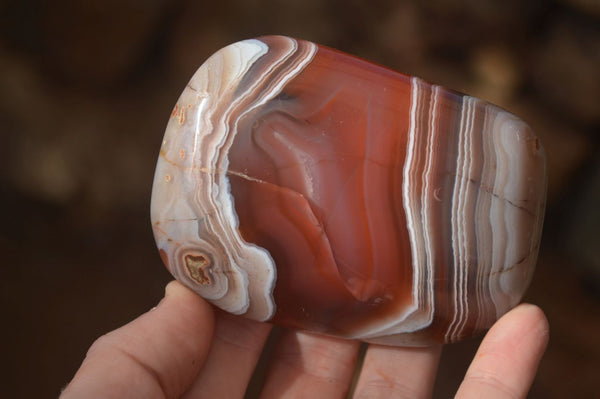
[[303, 186]]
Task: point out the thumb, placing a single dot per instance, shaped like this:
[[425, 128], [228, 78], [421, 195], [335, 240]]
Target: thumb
[[156, 355]]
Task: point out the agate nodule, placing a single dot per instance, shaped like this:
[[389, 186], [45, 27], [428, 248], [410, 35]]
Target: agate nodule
[[305, 187]]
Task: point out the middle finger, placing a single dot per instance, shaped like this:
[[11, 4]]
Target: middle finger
[[397, 372], [305, 365]]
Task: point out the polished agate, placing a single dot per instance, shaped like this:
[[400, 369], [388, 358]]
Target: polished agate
[[308, 188]]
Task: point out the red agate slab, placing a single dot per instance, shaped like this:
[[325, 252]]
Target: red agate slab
[[315, 190]]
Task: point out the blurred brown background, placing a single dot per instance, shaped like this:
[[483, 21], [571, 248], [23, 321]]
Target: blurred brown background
[[85, 93]]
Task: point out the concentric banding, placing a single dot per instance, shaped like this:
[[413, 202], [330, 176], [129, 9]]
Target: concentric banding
[[464, 184]]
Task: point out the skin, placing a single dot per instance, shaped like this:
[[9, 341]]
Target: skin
[[182, 348]]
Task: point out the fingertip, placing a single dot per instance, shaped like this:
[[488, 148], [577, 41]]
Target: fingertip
[[175, 287], [197, 313], [176, 290], [534, 314], [529, 310], [508, 357], [524, 320], [537, 317]]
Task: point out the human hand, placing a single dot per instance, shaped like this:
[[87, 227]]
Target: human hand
[[182, 349]]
